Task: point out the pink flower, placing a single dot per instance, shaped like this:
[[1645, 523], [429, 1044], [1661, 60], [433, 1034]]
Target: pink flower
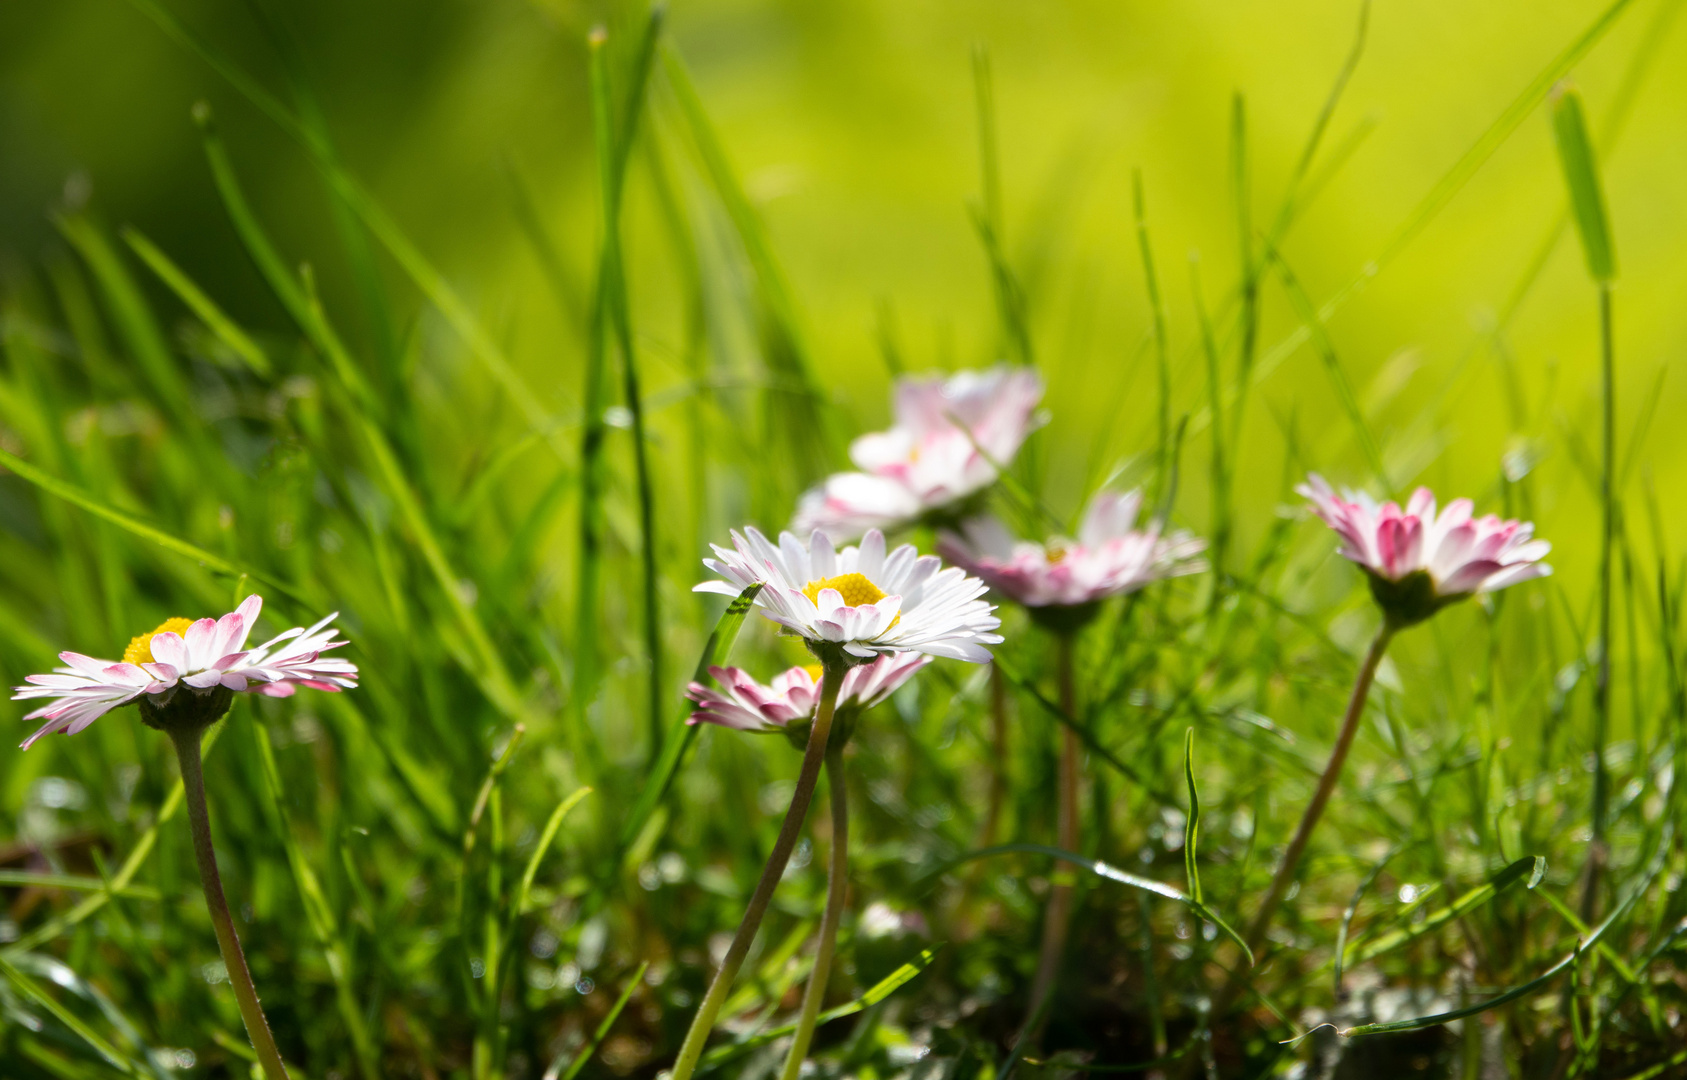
[[182, 656], [1109, 556], [747, 705], [930, 460], [1418, 561]]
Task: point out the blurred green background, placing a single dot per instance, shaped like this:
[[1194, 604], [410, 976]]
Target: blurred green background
[[855, 133], [854, 130]]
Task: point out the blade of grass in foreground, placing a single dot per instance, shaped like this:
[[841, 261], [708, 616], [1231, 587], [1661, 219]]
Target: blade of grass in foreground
[[226, 329], [1449, 185], [786, 348], [1111, 873], [1587, 209], [660, 776], [77, 497], [29, 989], [408, 256], [613, 148], [1547, 977], [725, 1055], [319, 914], [602, 1031]]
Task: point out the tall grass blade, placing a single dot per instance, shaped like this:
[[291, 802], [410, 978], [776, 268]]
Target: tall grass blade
[[226, 329], [602, 1031], [1581, 177], [52, 485]]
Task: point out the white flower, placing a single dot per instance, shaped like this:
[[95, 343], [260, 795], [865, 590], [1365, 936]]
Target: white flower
[[1108, 558], [747, 705], [187, 656], [859, 598], [949, 436]]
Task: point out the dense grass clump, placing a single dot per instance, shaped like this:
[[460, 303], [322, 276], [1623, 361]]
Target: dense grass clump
[[506, 854]]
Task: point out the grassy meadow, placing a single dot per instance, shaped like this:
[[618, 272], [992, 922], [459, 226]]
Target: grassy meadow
[[478, 323]]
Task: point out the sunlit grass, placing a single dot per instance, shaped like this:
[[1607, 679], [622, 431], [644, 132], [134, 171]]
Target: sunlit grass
[[506, 854]]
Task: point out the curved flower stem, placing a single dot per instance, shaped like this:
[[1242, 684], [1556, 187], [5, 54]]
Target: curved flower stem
[[1057, 917], [239, 975], [837, 891], [1314, 810], [704, 1022]]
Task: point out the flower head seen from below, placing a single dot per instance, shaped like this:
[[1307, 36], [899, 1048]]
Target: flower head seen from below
[[860, 601], [744, 704], [950, 435], [1109, 557], [188, 669], [1419, 561]]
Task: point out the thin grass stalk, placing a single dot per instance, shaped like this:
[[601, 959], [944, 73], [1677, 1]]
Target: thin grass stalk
[[612, 148], [1219, 482], [239, 975], [704, 1022], [837, 894], [593, 478], [1157, 309], [1607, 526], [1057, 917], [1255, 936]]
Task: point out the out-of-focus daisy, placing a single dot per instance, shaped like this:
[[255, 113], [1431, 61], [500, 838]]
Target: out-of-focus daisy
[[744, 704], [183, 665], [949, 436], [859, 600], [1418, 561], [1110, 556]]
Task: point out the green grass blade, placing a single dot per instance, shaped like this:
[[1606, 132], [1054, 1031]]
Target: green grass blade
[[612, 150], [881, 990], [1551, 974], [29, 989], [1192, 822], [1450, 183], [1581, 177], [226, 329], [409, 257], [29, 879], [1529, 869], [132, 315], [602, 1031], [787, 352], [1101, 869], [544, 845], [52, 485], [1157, 308], [318, 913], [660, 777], [1313, 321]]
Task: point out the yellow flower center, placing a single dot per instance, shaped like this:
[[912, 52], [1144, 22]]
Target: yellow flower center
[[140, 647], [854, 588], [1055, 555], [815, 671]]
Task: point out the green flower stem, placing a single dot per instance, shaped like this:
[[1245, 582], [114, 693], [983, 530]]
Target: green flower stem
[[239, 975], [1057, 917], [837, 891], [704, 1022], [1314, 810]]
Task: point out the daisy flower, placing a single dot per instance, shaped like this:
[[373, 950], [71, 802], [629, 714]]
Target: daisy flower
[[182, 665], [1419, 561], [859, 601], [950, 434], [747, 705], [1110, 556]]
